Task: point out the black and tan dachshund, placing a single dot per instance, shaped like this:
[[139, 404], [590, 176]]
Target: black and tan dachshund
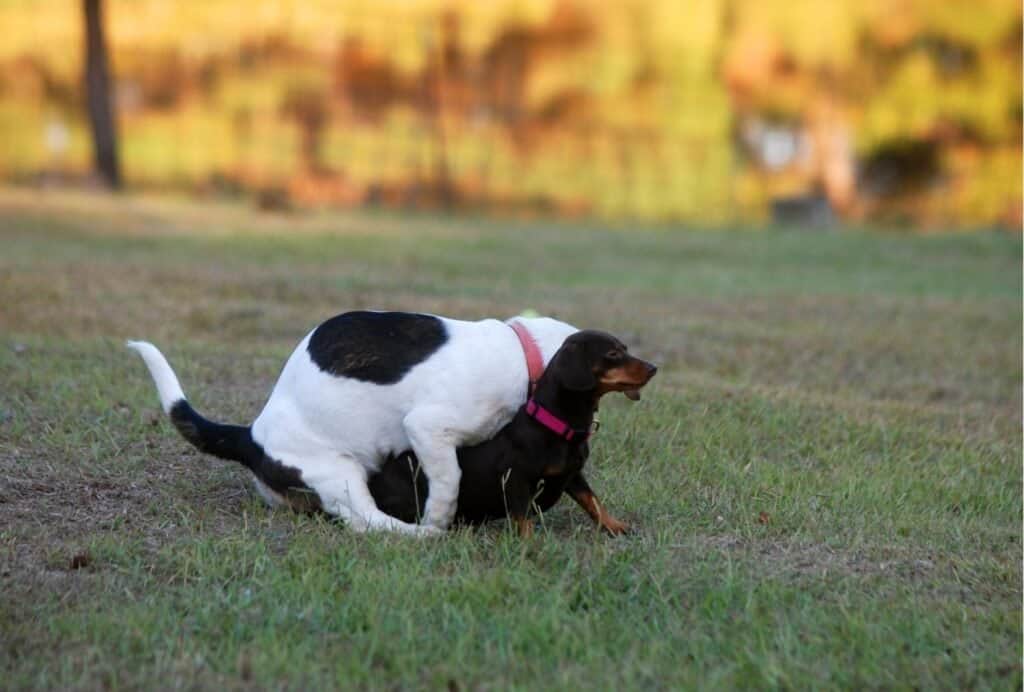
[[540, 454]]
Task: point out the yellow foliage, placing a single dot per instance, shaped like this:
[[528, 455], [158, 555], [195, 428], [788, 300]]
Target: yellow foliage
[[644, 115]]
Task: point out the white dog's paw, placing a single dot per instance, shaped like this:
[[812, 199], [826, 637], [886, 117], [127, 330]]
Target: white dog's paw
[[438, 517]]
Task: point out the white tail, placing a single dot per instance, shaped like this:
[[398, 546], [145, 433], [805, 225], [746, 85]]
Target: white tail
[[166, 381]]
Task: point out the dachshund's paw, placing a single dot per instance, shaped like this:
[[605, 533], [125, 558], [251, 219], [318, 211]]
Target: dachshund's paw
[[616, 528]]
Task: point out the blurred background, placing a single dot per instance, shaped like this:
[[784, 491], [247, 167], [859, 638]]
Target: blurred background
[[903, 113]]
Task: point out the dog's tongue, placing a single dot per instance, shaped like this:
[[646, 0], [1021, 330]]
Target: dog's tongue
[[632, 394]]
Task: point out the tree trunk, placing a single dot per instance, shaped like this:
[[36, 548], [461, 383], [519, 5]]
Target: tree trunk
[[97, 89]]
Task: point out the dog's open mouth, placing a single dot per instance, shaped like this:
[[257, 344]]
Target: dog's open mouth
[[629, 380]]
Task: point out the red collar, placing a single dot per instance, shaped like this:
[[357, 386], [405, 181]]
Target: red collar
[[553, 422], [534, 359]]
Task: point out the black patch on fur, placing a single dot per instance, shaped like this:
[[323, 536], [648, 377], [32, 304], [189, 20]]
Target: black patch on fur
[[378, 347], [235, 443]]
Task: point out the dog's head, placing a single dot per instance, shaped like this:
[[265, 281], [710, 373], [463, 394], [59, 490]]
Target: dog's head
[[593, 361]]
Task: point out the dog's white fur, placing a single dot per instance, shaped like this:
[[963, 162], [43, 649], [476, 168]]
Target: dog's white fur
[[335, 430]]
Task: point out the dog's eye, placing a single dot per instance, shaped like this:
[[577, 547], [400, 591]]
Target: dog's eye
[[614, 354]]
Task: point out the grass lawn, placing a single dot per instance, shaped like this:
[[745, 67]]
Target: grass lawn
[[825, 475]]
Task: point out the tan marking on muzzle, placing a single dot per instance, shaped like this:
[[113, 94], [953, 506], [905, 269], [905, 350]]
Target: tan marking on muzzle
[[628, 378]]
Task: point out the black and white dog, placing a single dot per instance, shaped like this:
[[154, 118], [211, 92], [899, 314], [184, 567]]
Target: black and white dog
[[364, 386]]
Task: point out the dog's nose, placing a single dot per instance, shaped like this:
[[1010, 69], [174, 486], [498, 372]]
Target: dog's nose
[[652, 370]]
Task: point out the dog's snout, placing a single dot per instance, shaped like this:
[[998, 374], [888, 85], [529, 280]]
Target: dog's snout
[[652, 370]]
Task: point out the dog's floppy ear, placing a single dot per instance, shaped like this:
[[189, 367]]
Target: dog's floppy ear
[[573, 369]]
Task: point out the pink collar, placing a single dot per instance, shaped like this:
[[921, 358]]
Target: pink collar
[[553, 422], [534, 359]]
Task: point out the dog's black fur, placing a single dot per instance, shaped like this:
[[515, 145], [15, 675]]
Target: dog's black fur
[[526, 465]]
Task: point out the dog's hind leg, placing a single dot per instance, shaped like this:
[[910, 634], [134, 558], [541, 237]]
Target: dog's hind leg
[[345, 495]]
